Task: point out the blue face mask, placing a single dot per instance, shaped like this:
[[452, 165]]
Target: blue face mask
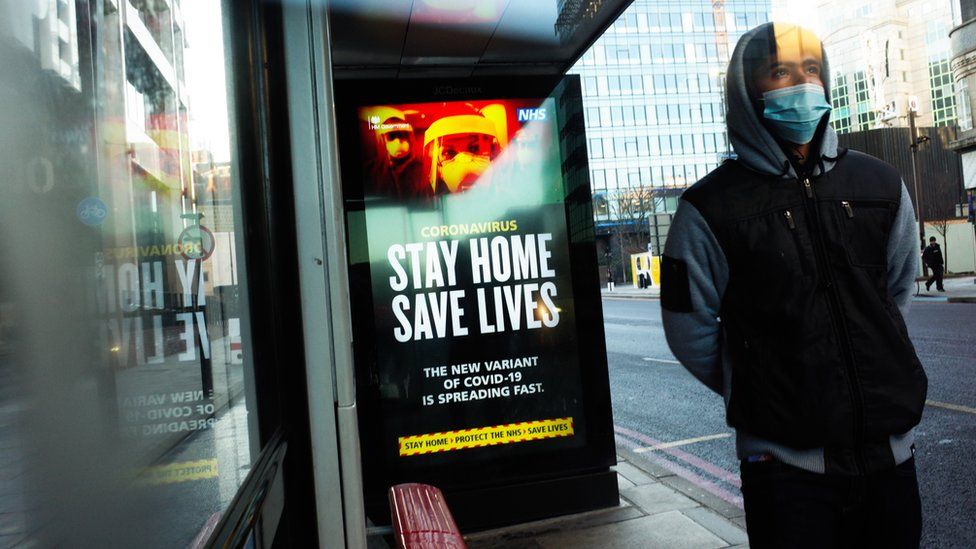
[[795, 112]]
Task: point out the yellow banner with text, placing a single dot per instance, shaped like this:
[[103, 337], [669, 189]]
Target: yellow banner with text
[[478, 437]]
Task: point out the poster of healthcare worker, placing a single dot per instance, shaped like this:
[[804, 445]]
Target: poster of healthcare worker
[[470, 353], [420, 151]]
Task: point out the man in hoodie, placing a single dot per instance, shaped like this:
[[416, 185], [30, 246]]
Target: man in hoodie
[[786, 278]]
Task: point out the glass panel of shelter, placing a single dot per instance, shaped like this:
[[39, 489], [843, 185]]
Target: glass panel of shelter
[[126, 409]]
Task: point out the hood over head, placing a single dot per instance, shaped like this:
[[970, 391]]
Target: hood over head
[[752, 140]]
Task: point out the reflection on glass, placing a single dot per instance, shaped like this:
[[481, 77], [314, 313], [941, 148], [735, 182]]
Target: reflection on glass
[[123, 413]]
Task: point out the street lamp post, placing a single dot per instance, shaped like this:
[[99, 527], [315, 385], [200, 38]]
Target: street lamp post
[[915, 142]]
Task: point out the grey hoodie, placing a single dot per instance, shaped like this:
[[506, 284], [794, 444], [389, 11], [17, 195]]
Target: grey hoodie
[[695, 337]]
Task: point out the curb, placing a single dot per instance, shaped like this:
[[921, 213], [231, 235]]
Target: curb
[[628, 295], [919, 298], [635, 297]]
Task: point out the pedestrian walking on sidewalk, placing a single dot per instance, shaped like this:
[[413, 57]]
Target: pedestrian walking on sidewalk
[[610, 286], [785, 281], [932, 256]]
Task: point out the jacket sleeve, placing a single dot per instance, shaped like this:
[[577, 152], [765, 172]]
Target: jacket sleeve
[[903, 254], [694, 274]]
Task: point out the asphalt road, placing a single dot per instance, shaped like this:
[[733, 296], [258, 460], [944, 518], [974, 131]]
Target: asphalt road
[[673, 421]]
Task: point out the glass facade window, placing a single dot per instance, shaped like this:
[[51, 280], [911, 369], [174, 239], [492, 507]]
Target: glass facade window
[[840, 116], [653, 91], [596, 148], [942, 95], [124, 348], [865, 113]]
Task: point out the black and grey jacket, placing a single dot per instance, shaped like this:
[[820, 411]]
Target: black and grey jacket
[[787, 295], [932, 256]]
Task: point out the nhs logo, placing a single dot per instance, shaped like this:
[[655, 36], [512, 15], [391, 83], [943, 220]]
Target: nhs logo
[[531, 115]]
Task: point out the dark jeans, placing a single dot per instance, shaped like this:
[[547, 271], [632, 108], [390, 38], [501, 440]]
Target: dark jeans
[[790, 507], [936, 278]]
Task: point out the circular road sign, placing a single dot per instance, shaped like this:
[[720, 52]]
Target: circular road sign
[[197, 242]]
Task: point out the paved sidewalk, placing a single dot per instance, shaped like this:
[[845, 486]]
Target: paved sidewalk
[[652, 513], [958, 290]]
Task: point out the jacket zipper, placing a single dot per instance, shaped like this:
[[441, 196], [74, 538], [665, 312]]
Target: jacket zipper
[[836, 310], [789, 220], [847, 207]]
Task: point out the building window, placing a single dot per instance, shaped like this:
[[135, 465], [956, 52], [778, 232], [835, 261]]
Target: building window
[[599, 179], [636, 84], [617, 118], [648, 83], [943, 96], [709, 142], [665, 145], [589, 85], [962, 102], [865, 114], [596, 148], [642, 146], [592, 117], [840, 116]]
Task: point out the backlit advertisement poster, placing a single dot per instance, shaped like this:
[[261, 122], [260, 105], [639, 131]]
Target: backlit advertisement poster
[[473, 353]]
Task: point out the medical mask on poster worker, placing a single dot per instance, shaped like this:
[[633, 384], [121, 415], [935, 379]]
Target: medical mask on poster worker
[[794, 113], [463, 159]]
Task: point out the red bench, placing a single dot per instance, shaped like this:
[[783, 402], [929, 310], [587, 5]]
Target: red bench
[[421, 519]]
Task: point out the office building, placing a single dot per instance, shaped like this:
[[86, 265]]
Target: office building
[[885, 54], [655, 120]]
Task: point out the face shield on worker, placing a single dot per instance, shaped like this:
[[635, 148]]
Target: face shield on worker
[[459, 150], [787, 73]]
